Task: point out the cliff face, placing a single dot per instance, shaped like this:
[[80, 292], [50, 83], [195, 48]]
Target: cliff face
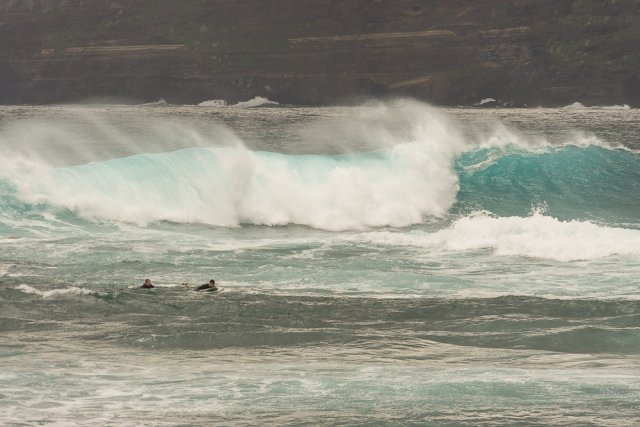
[[449, 52]]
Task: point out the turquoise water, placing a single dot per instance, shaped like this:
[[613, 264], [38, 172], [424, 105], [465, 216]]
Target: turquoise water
[[390, 263]]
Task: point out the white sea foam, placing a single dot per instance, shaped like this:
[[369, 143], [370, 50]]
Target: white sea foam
[[536, 236], [617, 107], [159, 103], [580, 106], [213, 103], [74, 290], [402, 174], [485, 101], [255, 102], [575, 106], [258, 101], [409, 179], [5, 268]]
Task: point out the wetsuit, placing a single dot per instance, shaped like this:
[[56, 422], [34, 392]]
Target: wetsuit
[[206, 287], [147, 287]]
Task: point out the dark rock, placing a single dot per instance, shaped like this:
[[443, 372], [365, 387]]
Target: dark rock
[[448, 52]]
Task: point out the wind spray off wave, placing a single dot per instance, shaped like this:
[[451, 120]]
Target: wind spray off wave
[[231, 186], [402, 184], [393, 164]]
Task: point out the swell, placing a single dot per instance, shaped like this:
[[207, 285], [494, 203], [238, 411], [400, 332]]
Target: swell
[[567, 183], [187, 320]]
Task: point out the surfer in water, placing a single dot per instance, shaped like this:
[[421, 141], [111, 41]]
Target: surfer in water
[[147, 284], [211, 286]]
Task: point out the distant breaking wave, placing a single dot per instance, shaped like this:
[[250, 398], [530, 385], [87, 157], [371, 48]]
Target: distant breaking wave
[[159, 103], [256, 102], [580, 106], [213, 103]]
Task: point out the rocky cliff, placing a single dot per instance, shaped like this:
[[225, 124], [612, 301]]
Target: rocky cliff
[[448, 52]]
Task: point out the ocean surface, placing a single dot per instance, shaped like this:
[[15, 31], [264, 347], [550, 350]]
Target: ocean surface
[[390, 263]]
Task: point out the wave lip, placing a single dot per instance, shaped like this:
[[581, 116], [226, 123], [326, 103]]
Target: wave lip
[[572, 182]]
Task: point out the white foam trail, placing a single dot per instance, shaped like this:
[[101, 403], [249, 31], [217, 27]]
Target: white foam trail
[[536, 236], [45, 294]]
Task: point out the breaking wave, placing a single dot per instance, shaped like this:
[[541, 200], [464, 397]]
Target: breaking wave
[[420, 168]]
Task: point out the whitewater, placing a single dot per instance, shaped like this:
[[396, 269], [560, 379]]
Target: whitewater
[[387, 263]]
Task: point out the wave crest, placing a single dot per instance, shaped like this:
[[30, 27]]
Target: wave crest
[[536, 236]]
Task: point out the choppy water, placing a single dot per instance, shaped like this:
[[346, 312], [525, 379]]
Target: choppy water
[[390, 264]]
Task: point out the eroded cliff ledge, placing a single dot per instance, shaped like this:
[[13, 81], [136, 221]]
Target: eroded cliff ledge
[[448, 52]]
